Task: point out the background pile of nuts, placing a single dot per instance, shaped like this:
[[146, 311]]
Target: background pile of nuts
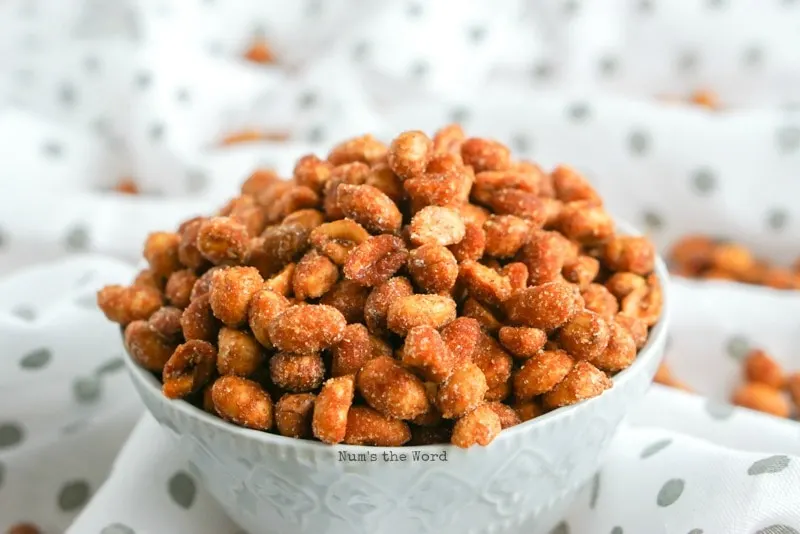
[[700, 256], [429, 291], [767, 387]]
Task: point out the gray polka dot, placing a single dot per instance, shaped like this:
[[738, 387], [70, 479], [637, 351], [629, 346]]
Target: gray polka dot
[[117, 528], [419, 69], [91, 64], [778, 529], [616, 530], [111, 366], [639, 142], [695, 531], [24, 312], [77, 238], [182, 489], [652, 220], [2, 238], [717, 4], [788, 139], [670, 492], [53, 149], [182, 95], [737, 347], [459, 114], [645, 6], [414, 9], [543, 70], [753, 56], [571, 7], [2, 473], [316, 134], [521, 143], [719, 410], [608, 65], [561, 528], [36, 359], [703, 180], [156, 131], [656, 447], [595, 492], [87, 389], [73, 495], [143, 80], [773, 464], [687, 61], [11, 434], [777, 219], [67, 94], [578, 112], [476, 34], [307, 100], [360, 51], [196, 181]]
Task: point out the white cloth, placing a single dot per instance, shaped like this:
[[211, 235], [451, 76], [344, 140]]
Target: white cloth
[[67, 408], [93, 91]]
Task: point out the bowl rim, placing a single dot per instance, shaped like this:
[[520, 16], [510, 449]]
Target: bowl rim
[[645, 355]]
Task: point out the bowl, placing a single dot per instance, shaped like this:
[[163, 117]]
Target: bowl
[[524, 481]]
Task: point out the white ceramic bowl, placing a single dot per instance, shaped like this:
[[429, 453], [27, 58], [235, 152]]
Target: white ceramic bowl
[[522, 482]]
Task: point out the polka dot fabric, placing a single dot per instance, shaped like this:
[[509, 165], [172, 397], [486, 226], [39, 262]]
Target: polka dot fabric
[[675, 494], [164, 494], [100, 93], [92, 92], [66, 404], [684, 462]]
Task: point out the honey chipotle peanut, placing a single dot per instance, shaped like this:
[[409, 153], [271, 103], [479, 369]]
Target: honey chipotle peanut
[[425, 290]]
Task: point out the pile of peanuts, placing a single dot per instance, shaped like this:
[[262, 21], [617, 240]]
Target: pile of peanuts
[[259, 52], [700, 256], [23, 528], [127, 186], [429, 291], [665, 377], [765, 383], [252, 136], [765, 386], [705, 98]]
